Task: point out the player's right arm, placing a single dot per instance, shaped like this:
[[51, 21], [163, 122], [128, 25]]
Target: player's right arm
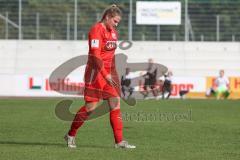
[[95, 43], [95, 46]]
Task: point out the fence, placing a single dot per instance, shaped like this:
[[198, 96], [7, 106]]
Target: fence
[[70, 20]]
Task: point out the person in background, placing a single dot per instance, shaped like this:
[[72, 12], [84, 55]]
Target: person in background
[[126, 84], [167, 85], [150, 80], [221, 85]]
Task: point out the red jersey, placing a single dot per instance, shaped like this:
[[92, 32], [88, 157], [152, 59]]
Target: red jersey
[[102, 45]]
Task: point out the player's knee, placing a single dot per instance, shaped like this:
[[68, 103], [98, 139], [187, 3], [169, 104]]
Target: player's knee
[[114, 103], [90, 106]]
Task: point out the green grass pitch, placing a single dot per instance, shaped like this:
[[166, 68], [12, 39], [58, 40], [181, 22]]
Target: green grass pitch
[[164, 130]]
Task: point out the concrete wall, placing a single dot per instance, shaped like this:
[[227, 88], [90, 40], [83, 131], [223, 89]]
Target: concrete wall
[[191, 59], [184, 59]]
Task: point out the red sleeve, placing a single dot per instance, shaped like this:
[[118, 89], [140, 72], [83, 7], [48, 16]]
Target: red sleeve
[[95, 45]]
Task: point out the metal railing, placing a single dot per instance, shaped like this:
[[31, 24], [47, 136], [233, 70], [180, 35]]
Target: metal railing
[[71, 20]]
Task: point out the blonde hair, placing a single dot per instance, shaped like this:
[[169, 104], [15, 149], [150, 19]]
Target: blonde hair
[[111, 11]]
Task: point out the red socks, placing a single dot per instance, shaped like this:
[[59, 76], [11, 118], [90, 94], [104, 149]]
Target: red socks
[[117, 125], [78, 121], [115, 120]]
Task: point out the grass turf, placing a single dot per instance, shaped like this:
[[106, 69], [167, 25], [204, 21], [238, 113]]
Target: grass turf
[[168, 130]]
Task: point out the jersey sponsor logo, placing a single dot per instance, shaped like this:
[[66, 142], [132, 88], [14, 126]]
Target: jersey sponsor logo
[[110, 45], [95, 43]]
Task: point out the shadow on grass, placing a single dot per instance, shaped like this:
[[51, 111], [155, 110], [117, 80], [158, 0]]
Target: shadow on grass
[[32, 143], [50, 144]]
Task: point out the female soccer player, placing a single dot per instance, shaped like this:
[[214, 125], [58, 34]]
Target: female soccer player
[[101, 79]]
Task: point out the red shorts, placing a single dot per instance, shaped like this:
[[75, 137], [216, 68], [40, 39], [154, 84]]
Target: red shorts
[[96, 88]]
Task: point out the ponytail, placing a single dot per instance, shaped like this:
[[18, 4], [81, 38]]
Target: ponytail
[[111, 11]]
